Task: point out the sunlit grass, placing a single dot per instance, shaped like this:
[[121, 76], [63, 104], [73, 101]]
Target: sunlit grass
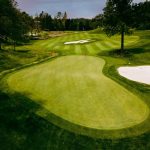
[[75, 89]]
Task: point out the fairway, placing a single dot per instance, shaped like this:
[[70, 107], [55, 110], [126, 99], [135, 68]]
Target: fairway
[[97, 44], [75, 89], [75, 75]]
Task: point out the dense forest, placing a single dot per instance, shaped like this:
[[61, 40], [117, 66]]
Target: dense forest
[[62, 22]]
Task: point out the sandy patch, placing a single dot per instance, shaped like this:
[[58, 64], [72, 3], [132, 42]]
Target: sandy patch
[[140, 73], [78, 42]]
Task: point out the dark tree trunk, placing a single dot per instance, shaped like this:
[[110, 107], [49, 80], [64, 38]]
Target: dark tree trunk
[[14, 45], [0, 45], [122, 41]]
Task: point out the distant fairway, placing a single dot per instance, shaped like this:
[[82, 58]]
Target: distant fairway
[[100, 43], [75, 89]]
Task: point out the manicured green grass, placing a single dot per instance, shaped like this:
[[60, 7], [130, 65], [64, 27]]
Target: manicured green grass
[[75, 89], [102, 43], [22, 128]]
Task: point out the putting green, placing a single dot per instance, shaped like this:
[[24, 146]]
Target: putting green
[[75, 89]]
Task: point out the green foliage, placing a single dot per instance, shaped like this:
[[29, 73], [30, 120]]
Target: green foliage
[[117, 16], [141, 15], [13, 23], [60, 22], [46, 22]]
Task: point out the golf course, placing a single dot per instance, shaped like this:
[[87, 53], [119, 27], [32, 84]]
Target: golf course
[[75, 75], [79, 90], [75, 89], [96, 44]]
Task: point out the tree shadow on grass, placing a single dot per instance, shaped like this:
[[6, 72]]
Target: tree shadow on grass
[[23, 51], [129, 52], [21, 128]]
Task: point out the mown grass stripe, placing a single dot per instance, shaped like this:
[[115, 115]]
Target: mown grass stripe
[[100, 45], [90, 49], [96, 48], [84, 50], [52, 43], [110, 44], [78, 49], [107, 45]]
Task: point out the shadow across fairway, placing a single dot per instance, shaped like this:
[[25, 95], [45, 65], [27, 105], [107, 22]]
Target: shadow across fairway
[[40, 111], [23, 51], [21, 128], [126, 53]]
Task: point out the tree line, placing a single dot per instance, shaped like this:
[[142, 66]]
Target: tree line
[[13, 23], [139, 18], [63, 23], [119, 16], [141, 15]]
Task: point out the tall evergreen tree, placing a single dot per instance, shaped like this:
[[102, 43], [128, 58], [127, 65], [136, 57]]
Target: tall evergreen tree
[[13, 23], [118, 18], [6, 14], [141, 15], [64, 20]]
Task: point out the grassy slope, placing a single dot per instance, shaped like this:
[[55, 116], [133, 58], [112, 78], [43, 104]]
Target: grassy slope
[[80, 91], [20, 128]]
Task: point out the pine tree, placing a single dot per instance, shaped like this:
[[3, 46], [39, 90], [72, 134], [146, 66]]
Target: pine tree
[[118, 18]]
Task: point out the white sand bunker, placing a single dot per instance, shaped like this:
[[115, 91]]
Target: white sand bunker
[[140, 74], [78, 42]]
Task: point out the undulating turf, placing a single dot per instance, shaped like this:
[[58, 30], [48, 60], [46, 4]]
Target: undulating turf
[[75, 89], [22, 128], [100, 43]]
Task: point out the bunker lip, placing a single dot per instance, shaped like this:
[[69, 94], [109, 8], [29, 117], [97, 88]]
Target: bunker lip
[[138, 73], [78, 42]]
